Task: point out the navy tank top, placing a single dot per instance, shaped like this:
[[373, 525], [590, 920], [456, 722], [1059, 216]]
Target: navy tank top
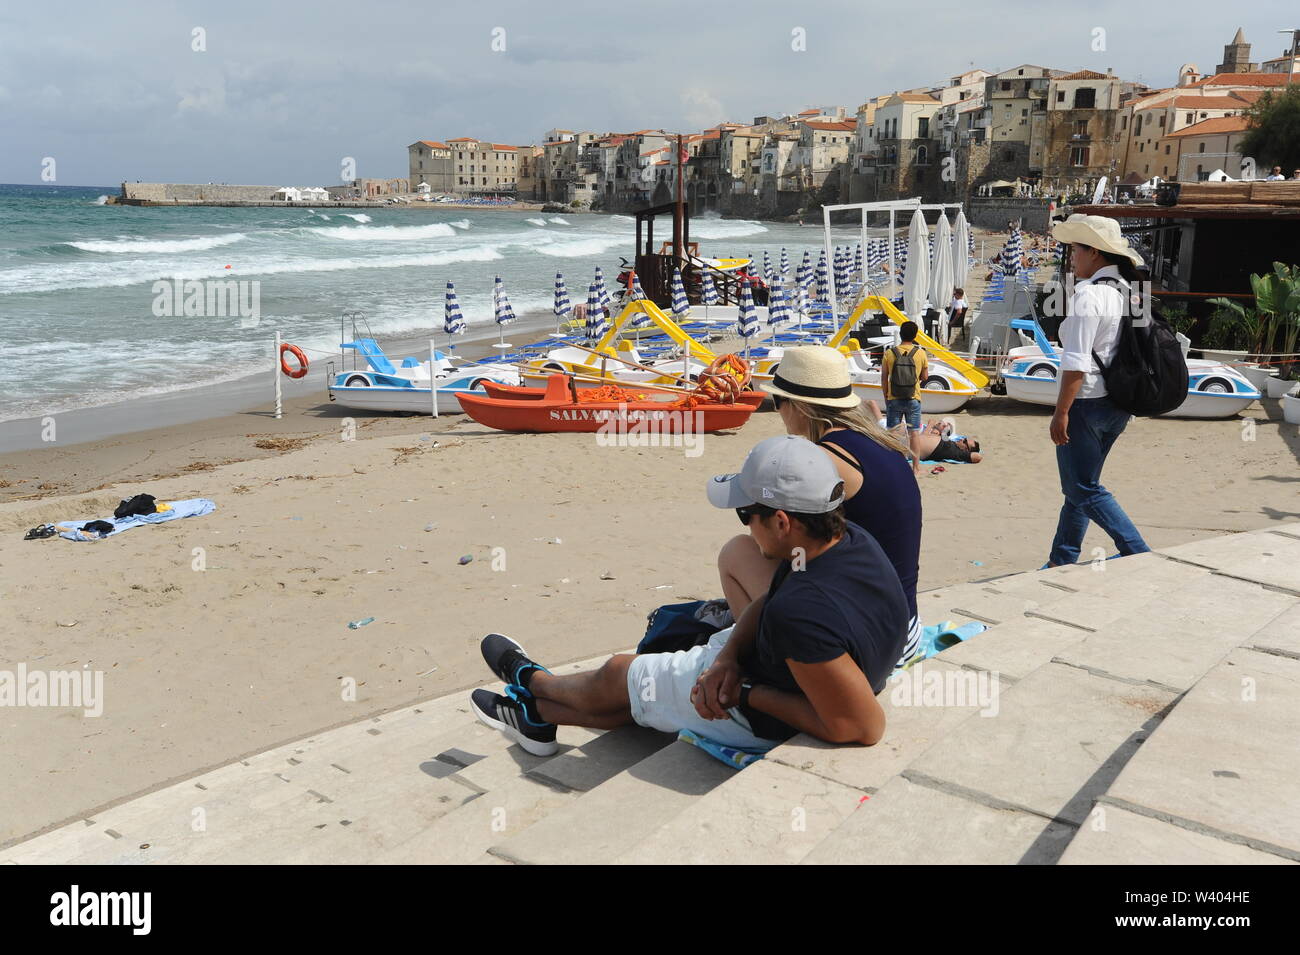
[[887, 506]]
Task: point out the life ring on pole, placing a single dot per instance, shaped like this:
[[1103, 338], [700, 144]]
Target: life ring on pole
[[297, 353]]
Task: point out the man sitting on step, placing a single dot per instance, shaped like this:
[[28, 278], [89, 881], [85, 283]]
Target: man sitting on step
[[809, 656]]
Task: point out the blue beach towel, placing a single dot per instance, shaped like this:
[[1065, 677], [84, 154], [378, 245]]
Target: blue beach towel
[[941, 636], [737, 757], [194, 507]]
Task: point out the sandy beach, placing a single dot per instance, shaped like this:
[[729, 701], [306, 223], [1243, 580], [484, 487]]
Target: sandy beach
[[225, 634]]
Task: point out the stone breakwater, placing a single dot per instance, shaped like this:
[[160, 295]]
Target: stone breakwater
[[197, 194]]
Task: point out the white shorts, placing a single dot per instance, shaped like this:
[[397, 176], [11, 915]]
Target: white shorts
[[659, 691]]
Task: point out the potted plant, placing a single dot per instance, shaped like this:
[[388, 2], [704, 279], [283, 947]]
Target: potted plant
[[1233, 329]]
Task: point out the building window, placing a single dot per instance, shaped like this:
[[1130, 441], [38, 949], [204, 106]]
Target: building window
[[1006, 84], [1079, 156], [1166, 149], [1060, 96], [1123, 122], [922, 156], [1085, 98], [1162, 121], [923, 128], [1024, 112], [1201, 148], [1191, 118], [1009, 155]]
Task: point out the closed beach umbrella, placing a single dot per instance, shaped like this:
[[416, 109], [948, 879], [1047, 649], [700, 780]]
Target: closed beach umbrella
[[708, 291], [857, 259], [563, 308], [1010, 256], [747, 320], [823, 283], [941, 283], [785, 261], [961, 238], [778, 308], [767, 268], [637, 293], [804, 276], [502, 311], [605, 300], [596, 325], [916, 285], [681, 305], [453, 322], [801, 304]]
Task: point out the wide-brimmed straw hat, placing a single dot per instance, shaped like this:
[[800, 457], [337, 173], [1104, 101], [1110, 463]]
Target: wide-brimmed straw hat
[[815, 374], [1097, 232]]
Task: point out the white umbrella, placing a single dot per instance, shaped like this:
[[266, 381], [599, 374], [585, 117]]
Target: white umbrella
[[916, 284], [941, 284], [960, 255]]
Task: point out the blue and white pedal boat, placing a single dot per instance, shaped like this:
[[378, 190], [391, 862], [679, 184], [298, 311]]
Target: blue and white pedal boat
[[383, 386]]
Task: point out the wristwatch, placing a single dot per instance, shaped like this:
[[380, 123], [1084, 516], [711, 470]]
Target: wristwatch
[[745, 687]]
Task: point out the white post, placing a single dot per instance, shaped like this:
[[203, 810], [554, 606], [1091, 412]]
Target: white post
[[830, 266], [275, 360], [865, 258], [433, 385], [893, 277]]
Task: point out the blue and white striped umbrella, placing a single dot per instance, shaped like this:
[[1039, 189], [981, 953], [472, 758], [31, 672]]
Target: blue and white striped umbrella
[[453, 322], [563, 308], [804, 277], [637, 292], [767, 268], [823, 280], [605, 299], [857, 259], [681, 305], [778, 307], [501, 305], [1010, 257], [596, 325], [801, 309], [708, 291], [785, 261], [747, 317], [842, 278], [640, 319]]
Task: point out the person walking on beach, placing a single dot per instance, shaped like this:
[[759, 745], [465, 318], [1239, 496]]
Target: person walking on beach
[[813, 394], [902, 371], [1086, 423]]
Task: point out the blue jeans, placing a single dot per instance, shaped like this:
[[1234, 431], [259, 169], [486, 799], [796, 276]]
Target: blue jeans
[[903, 409], [1093, 426]]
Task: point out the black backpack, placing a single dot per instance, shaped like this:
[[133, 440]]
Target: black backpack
[[1148, 374], [902, 376]]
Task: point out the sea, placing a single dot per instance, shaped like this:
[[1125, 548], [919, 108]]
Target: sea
[[80, 305]]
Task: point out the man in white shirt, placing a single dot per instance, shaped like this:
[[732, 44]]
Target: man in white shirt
[[956, 314], [1275, 175], [1086, 422]]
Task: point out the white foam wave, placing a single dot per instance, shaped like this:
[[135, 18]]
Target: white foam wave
[[358, 216], [557, 220], [540, 222], [387, 233], [460, 223], [123, 274], [157, 245], [725, 228], [579, 248], [102, 200]]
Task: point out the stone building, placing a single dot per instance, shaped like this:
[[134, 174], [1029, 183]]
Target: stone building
[[430, 162], [905, 132], [1236, 56], [1084, 140], [1209, 145]]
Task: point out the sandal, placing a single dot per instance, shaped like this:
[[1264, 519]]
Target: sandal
[[41, 532], [939, 470]]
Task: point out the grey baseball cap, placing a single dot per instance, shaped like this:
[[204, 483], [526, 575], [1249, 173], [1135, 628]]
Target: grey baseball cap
[[787, 473]]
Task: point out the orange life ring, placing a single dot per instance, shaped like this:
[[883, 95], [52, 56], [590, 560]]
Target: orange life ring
[[296, 352]]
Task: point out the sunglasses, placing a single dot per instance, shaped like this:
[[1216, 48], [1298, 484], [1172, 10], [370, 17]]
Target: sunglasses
[[753, 510]]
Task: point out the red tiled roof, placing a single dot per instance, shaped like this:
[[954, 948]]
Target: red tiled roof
[[1085, 75], [1222, 124], [504, 148], [811, 112], [841, 125], [1209, 102], [433, 145], [915, 98], [463, 139], [1243, 79]]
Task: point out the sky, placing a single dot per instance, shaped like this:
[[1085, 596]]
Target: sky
[[283, 93]]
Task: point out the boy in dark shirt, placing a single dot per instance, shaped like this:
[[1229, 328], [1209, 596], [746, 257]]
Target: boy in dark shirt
[[809, 656]]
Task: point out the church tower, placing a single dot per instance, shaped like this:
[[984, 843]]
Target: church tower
[[1236, 56]]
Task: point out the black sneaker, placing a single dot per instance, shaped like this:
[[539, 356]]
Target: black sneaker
[[507, 660], [515, 715]]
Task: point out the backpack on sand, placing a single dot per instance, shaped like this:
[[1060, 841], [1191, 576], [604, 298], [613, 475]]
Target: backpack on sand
[[902, 377], [1148, 374]]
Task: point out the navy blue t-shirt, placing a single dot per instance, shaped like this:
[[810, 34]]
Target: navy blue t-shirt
[[887, 506], [847, 600]]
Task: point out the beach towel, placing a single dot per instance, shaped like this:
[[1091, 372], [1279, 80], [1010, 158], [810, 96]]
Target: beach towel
[[737, 757], [941, 636], [195, 507]]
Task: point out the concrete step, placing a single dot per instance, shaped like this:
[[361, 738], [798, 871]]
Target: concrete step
[[1269, 557], [1234, 789], [615, 816]]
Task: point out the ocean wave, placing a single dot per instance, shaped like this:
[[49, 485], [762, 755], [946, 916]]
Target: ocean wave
[[579, 248], [460, 223], [557, 220], [387, 233], [102, 200], [540, 222], [123, 274], [158, 245], [358, 216], [725, 228]]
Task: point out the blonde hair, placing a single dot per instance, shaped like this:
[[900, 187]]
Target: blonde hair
[[818, 419]]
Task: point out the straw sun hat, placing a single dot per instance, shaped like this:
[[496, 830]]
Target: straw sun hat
[[815, 374], [1097, 232]]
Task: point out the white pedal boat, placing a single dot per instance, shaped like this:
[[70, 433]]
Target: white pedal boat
[[383, 386], [1214, 390]]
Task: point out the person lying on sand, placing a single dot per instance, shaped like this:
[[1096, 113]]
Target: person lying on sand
[[935, 439], [809, 655]]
